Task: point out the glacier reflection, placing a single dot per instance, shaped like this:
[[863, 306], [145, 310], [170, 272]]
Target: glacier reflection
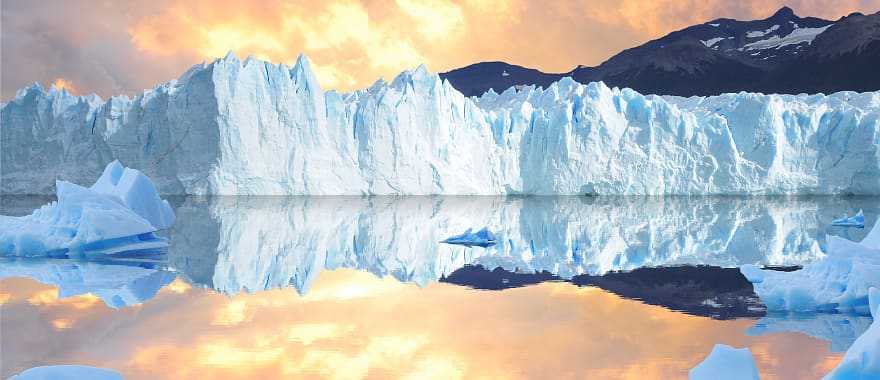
[[255, 243]]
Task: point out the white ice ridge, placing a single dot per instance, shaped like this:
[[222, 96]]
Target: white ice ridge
[[252, 127], [121, 211], [838, 282]]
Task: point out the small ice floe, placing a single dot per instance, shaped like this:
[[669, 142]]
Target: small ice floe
[[862, 360], [120, 212], [857, 220], [726, 363], [67, 372], [482, 238]]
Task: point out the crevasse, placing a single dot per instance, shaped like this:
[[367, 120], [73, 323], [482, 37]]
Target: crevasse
[[252, 127]]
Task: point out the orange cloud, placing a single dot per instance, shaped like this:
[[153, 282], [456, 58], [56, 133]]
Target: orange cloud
[[119, 46], [393, 330], [64, 84]]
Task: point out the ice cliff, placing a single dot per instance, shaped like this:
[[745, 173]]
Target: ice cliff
[[252, 127]]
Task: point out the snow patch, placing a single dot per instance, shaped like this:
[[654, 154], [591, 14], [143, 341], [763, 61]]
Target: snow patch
[[797, 36], [712, 41], [755, 34]]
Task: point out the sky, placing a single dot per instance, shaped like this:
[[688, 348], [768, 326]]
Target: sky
[[121, 47]]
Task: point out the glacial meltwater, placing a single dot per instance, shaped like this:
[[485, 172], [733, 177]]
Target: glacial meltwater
[[433, 287]]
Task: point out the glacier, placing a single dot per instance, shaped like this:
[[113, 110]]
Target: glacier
[[120, 212], [250, 127], [838, 282]]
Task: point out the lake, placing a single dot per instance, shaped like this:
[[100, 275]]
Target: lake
[[362, 287]]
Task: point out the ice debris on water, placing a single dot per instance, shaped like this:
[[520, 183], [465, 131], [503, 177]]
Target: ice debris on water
[[120, 212]]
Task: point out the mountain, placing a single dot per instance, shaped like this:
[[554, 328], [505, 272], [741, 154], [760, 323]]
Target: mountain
[[254, 128], [780, 54]]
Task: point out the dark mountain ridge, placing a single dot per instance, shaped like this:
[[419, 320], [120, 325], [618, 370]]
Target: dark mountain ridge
[[783, 53]]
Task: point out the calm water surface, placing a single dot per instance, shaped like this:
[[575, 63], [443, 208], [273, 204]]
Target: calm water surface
[[351, 288]]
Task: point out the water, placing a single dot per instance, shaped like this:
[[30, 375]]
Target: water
[[603, 287]]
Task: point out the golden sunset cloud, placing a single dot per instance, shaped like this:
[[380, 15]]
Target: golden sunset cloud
[[353, 325], [110, 48]]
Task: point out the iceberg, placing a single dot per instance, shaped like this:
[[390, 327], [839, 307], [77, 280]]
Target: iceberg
[[857, 220], [233, 127], [862, 360], [135, 190], [121, 212], [67, 372], [482, 238], [839, 282], [726, 363]]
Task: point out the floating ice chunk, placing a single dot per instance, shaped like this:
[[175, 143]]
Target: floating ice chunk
[[135, 191], [726, 363], [67, 372], [839, 282], [96, 220], [482, 238], [857, 220], [862, 360]]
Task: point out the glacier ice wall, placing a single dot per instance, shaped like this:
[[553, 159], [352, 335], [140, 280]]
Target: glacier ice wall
[[252, 127]]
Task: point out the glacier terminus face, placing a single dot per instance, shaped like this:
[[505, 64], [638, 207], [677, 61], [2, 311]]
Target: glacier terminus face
[[255, 128]]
